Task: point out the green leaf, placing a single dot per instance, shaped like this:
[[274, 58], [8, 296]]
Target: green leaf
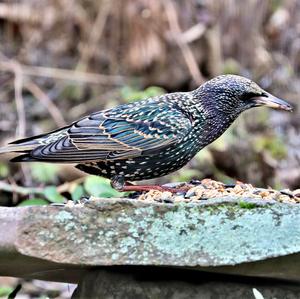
[[99, 187], [272, 144], [153, 91], [33, 202], [77, 193], [5, 291], [132, 94], [4, 171], [44, 172], [53, 195]]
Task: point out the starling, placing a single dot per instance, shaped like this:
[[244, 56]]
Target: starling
[[149, 138]]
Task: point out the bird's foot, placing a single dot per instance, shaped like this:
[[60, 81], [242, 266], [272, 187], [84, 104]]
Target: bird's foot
[[118, 182]]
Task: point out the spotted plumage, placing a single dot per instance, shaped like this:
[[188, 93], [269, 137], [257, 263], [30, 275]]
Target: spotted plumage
[[149, 138]]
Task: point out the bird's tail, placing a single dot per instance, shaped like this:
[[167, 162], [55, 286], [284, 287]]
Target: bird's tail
[[20, 146], [25, 145], [16, 148]]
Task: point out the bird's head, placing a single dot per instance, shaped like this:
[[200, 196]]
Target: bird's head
[[233, 94]]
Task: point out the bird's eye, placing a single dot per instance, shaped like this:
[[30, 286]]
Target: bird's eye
[[250, 95]]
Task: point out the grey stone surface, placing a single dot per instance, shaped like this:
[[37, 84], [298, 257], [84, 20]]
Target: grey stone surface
[[106, 284], [212, 235]]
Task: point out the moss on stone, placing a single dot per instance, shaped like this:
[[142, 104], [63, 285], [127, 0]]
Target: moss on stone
[[247, 205]]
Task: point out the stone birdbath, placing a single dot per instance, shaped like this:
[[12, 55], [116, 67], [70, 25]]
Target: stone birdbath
[[161, 245]]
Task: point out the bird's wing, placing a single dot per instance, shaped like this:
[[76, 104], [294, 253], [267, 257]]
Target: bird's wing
[[124, 132]]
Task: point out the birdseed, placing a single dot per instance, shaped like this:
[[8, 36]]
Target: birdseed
[[207, 189]]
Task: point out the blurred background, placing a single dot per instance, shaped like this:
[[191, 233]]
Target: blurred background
[[62, 59]]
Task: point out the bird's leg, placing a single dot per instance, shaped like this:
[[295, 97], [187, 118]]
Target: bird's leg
[[119, 184], [141, 188]]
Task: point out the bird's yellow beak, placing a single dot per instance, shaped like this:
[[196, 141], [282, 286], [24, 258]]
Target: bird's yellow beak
[[269, 100]]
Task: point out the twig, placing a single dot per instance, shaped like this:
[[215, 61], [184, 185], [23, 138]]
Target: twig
[[12, 181], [193, 33], [64, 74], [18, 84], [65, 187], [19, 13], [38, 93], [89, 48], [16, 69], [18, 189], [13, 188], [182, 44]]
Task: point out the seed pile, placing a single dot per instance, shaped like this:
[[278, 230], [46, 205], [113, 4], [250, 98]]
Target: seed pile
[[207, 189]]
